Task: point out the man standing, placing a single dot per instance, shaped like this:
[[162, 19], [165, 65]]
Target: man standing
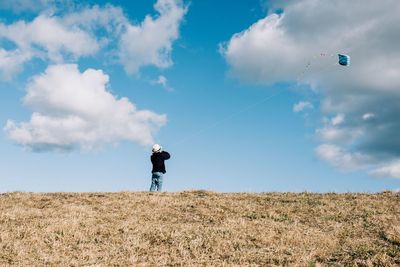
[[157, 158]]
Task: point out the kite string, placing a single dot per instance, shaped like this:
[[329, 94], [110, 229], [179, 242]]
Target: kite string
[[235, 114], [229, 117], [267, 98]]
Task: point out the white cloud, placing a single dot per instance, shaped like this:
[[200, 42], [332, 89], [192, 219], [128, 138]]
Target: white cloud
[[338, 119], [45, 37], [338, 135], [11, 62], [300, 46], [368, 116], [254, 53], [163, 81], [110, 18], [84, 32], [334, 131], [391, 170], [302, 105], [74, 109], [150, 43], [342, 159]]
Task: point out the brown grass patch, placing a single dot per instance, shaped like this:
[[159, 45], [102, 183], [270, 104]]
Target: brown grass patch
[[199, 228]]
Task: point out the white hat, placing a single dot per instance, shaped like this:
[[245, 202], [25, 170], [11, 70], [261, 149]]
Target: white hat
[[156, 148]]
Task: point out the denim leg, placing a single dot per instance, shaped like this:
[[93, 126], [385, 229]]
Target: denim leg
[[153, 185], [156, 181], [160, 180]]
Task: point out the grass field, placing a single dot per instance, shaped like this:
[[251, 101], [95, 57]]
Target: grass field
[[199, 228]]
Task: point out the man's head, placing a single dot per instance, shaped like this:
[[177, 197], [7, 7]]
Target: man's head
[[156, 148]]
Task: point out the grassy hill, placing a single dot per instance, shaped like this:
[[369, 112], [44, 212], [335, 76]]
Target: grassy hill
[[199, 228]]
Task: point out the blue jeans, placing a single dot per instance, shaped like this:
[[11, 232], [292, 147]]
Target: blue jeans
[[156, 181]]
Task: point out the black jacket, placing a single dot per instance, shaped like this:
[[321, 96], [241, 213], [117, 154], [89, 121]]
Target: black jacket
[[158, 161]]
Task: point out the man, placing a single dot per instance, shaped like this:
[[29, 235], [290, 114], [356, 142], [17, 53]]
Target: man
[[157, 158]]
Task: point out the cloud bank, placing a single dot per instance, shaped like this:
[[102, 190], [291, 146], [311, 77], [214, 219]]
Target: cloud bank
[[85, 32], [359, 103], [75, 110]]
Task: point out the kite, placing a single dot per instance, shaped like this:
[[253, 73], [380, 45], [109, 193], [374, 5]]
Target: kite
[[344, 60]]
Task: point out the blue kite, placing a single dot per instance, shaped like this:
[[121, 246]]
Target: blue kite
[[344, 60]]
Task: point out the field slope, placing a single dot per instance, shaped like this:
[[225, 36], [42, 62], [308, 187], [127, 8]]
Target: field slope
[[199, 228]]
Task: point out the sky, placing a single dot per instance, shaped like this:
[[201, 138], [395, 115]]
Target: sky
[[246, 96]]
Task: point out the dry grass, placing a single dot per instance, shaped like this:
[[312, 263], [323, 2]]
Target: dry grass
[[199, 228]]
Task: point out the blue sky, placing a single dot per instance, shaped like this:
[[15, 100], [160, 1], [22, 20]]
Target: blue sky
[[87, 88]]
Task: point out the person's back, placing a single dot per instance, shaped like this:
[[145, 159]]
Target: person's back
[[158, 159]]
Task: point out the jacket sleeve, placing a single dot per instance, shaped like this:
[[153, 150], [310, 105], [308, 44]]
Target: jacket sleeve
[[166, 155]]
